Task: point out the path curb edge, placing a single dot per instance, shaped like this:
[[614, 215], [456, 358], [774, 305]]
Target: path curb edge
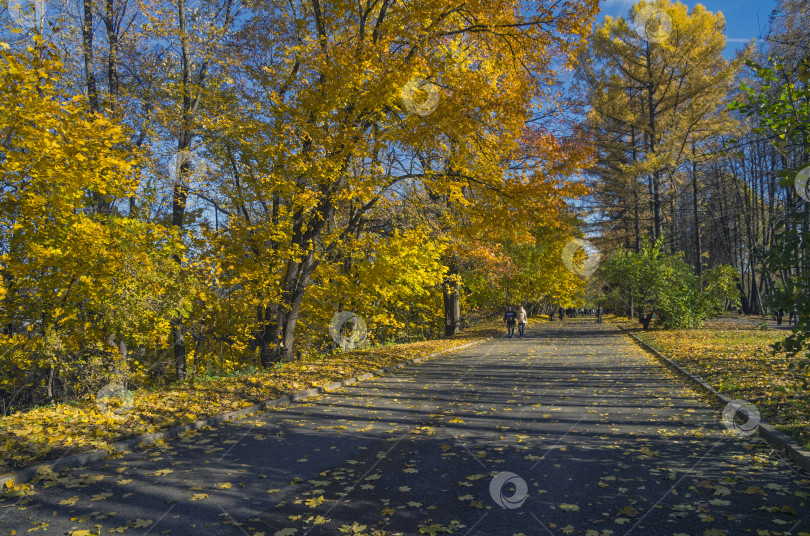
[[777, 439], [28, 474]]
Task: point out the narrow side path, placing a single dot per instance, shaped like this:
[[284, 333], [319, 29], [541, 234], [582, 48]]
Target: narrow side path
[[572, 430]]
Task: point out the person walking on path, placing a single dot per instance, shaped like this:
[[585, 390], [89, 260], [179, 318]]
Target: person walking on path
[[521, 320], [552, 313], [562, 313], [599, 315], [509, 317]]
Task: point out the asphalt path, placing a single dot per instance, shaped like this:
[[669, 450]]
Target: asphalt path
[[571, 430]]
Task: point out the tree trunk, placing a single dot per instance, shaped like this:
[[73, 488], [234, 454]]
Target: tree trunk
[[656, 186], [180, 190], [452, 300], [112, 58], [698, 248], [180, 194], [452, 308], [756, 297], [51, 375], [101, 202], [636, 218], [87, 46], [278, 321], [655, 177], [179, 344]]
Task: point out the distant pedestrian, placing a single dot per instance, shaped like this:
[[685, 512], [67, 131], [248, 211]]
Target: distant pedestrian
[[521, 320], [599, 315], [561, 312], [552, 313], [793, 318], [779, 314], [510, 317]]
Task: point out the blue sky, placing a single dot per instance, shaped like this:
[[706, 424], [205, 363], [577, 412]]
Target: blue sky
[[744, 18]]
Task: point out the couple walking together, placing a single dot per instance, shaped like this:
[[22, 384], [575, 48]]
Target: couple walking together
[[511, 318]]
